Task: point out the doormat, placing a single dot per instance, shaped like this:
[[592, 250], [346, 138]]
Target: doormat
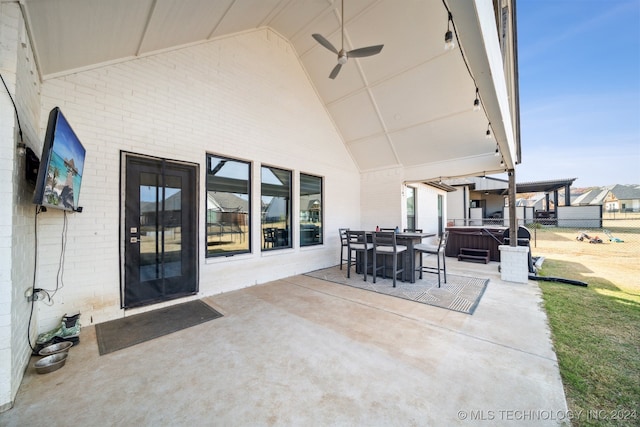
[[460, 293], [131, 330]]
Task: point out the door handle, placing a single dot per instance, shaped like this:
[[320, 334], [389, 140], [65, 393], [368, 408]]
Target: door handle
[[134, 240]]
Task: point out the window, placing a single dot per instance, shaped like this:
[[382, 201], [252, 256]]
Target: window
[[228, 206], [276, 208], [411, 208], [310, 210]]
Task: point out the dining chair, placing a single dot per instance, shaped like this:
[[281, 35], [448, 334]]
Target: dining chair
[[412, 230], [357, 242], [438, 251], [384, 244], [388, 229], [344, 244], [269, 237]]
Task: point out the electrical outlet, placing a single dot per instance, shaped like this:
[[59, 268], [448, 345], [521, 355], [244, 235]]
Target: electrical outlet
[[31, 296]]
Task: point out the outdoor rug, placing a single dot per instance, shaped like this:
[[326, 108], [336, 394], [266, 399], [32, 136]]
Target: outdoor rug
[[460, 293], [131, 330]]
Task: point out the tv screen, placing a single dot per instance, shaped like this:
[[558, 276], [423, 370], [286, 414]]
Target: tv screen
[[61, 165]]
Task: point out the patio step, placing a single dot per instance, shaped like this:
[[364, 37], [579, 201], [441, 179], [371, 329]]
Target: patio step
[[474, 255]]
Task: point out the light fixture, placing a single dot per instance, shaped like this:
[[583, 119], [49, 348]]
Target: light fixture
[[449, 44], [488, 134], [21, 149], [476, 102], [502, 162], [497, 153]]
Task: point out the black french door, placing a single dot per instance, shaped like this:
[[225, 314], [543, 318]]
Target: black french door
[[160, 230]]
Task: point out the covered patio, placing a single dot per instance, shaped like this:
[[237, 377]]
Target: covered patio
[[169, 85], [303, 351]]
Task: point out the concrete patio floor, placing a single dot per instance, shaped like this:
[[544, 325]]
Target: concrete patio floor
[[301, 351]]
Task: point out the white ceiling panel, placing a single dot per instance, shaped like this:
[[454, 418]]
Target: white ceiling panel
[[245, 14], [434, 142], [373, 153], [446, 92], [299, 14], [173, 23], [356, 117], [72, 34]]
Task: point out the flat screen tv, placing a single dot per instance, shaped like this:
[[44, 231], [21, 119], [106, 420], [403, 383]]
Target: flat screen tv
[[61, 164]]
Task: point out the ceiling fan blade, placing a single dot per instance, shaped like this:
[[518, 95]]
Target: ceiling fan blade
[[365, 51], [335, 71], [324, 42]]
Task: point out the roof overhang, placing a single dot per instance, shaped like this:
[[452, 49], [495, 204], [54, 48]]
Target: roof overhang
[[544, 186], [441, 186], [491, 185]]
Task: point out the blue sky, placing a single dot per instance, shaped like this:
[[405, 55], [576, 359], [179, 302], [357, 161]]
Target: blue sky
[[579, 66]]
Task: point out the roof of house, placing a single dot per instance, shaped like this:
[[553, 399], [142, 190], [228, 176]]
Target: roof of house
[[226, 202], [626, 192], [598, 195], [587, 198]]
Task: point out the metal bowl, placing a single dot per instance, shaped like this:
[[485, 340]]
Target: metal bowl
[[56, 348], [51, 363]]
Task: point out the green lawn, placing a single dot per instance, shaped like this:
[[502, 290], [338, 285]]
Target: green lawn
[[597, 340]]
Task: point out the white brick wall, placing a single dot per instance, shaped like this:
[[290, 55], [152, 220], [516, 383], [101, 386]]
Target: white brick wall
[[514, 263], [16, 218], [381, 194], [245, 96], [384, 203], [8, 43]]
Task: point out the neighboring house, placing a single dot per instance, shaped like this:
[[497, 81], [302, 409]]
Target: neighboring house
[[535, 201], [613, 198], [206, 98]]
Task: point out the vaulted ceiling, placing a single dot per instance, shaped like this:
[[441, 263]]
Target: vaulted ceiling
[[410, 106]]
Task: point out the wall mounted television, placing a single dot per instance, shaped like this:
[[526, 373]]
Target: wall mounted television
[[61, 165]]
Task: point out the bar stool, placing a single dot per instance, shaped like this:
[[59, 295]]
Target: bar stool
[[384, 243], [357, 242], [344, 243], [438, 250]]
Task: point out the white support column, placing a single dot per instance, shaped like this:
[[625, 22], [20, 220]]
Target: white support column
[[514, 263]]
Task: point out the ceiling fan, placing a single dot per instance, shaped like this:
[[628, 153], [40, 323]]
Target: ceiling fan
[[342, 54]]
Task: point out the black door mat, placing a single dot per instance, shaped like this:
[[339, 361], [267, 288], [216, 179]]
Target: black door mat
[[131, 330]]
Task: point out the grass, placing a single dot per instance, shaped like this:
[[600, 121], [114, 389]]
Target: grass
[[596, 337]]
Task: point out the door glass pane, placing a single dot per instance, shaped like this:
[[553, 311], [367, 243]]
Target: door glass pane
[[172, 227], [276, 208], [227, 206], [149, 236], [310, 210]]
